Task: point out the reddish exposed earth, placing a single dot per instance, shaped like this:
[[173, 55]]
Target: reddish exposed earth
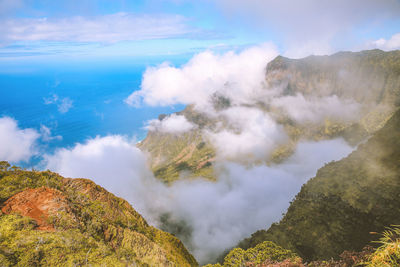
[[38, 204]]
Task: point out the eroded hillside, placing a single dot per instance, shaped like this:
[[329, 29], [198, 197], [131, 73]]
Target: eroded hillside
[[49, 220]]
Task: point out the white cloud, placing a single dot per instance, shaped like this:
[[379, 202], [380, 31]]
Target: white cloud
[[16, 144], [171, 124], [316, 110], [251, 135], [106, 28], [238, 76], [243, 200], [310, 26], [248, 131], [217, 212], [386, 44], [113, 162]]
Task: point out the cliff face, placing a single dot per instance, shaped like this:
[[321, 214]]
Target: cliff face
[[346, 201], [367, 77], [50, 220], [370, 79]]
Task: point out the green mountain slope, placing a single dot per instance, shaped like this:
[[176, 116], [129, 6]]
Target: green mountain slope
[[188, 154], [370, 78], [348, 199], [49, 220]]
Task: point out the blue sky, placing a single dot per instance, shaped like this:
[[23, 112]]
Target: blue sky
[[113, 29], [83, 31]]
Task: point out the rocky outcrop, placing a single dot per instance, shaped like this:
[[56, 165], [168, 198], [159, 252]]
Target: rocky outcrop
[[38, 204]]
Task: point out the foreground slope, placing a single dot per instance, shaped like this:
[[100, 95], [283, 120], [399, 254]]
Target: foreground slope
[[49, 220], [368, 78], [347, 200]]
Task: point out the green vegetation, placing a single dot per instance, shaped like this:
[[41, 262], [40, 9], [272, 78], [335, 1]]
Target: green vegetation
[[97, 228], [265, 251], [388, 254], [13, 180], [348, 199], [185, 155], [269, 254], [21, 245], [369, 77]]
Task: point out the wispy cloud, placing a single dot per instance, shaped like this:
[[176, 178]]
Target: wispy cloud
[[39, 48], [46, 135], [109, 28], [50, 100], [63, 104]]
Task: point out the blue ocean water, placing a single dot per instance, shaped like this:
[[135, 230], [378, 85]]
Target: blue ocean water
[[93, 101]]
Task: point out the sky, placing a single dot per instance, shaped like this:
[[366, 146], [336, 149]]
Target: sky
[[86, 31]]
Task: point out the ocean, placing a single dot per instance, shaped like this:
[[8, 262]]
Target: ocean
[[76, 105]]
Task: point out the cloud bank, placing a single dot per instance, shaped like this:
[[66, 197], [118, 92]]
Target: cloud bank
[[113, 162], [238, 76], [250, 137], [316, 110], [16, 144], [230, 89], [216, 213]]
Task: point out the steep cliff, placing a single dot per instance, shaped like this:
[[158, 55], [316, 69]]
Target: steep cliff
[[346, 201], [371, 78]]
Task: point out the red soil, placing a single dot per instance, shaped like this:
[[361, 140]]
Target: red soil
[[38, 204]]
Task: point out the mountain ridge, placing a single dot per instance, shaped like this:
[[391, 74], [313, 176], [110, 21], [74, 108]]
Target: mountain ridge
[[76, 222], [347, 75]]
